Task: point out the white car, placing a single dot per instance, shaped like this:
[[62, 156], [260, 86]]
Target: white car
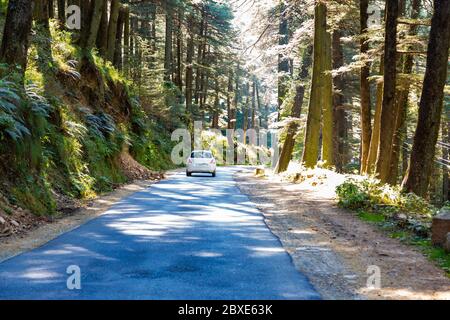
[[201, 161]]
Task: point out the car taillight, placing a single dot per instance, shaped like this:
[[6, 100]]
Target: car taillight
[[189, 160]]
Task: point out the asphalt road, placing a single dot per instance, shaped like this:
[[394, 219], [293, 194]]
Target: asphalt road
[[183, 238]]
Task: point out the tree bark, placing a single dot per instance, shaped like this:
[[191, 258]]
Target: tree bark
[[118, 51], [189, 69], [245, 108], [237, 98], [375, 138], [126, 39], [179, 51], [388, 113], [430, 108], [62, 12], [15, 42], [283, 62], [340, 125], [402, 100], [51, 9], [229, 105], [292, 130], [258, 105], [41, 13], [95, 20], [446, 156], [112, 29], [327, 105], [168, 44], [366, 128], [216, 109], [102, 36], [312, 135], [86, 14], [253, 116]]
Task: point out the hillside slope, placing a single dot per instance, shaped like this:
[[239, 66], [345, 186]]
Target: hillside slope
[[70, 133]]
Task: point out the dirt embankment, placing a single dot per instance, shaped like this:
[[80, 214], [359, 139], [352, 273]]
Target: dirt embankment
[[335, 249]]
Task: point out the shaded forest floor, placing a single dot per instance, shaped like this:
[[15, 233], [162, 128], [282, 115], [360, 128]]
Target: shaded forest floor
[[334, 248]]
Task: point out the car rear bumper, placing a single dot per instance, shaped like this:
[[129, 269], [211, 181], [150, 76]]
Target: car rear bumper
[[201, 169]]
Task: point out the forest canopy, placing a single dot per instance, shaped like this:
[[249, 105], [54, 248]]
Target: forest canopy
[[358, 86]]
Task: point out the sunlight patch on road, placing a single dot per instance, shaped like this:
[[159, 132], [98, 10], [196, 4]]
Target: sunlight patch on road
[[206, 254], [39, 274], [263, 252]]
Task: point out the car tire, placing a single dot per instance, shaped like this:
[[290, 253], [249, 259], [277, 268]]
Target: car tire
[[188, 173], [214, 174]]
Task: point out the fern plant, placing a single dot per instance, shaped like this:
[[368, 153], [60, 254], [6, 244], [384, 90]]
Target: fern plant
[[11, 122]]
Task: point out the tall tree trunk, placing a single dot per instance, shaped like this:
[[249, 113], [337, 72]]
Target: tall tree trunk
[[168, 45], [292, 129], [402, 100], [446, 156], [245, 108], [15, 41], [112, 29], [258, 105], [95, 20], [41, 13], [229, 95], [189, 68], [283, 62], [237, 97], [62, 12], [102, 36], [86, 14], [312, 135], [253, 116], [340, 121], [200, 48], [51, 9], [179, 51], [388, 113], [430, 108], [327, 105], [216, 109], [153, 31], [366, 128], [118, 51], [126, 39], [202, 70], [375, 138]]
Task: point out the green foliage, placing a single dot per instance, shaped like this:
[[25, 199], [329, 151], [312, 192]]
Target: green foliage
[[12, 125], [371, 217], [379, 204], [152, 148], [369, 193], [352, 196]]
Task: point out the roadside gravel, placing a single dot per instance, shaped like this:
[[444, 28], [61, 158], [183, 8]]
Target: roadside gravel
[[334, 248]]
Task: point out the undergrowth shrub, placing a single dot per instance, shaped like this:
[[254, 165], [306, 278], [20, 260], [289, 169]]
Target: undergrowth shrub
[[370, 193], [370, 198]]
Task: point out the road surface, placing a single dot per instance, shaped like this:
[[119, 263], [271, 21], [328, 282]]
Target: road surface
[[182, 238]]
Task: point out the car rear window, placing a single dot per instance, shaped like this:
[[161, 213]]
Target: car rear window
[[200, 155]]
